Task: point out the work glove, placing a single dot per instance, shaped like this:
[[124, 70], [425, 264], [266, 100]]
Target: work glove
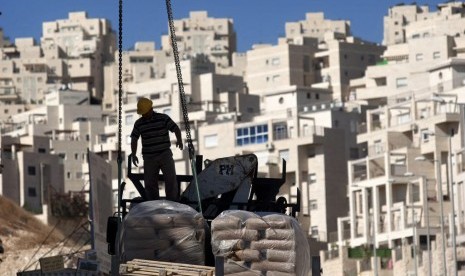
[[134, 159]]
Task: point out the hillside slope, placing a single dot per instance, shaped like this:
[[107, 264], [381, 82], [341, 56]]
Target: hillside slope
[[26, 239]]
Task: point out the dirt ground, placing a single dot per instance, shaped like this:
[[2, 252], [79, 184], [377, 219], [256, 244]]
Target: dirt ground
[[25, 239]]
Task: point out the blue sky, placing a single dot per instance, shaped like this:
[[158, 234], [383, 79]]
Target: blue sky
[[255, 21]]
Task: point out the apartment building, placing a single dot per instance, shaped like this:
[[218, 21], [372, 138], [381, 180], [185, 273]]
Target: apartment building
[[203, 35], [141, 64], [315, 25], [304, 61], [49, 145], [84, 45], [401, 193], [407, 22], [72, 51], [278, 66]]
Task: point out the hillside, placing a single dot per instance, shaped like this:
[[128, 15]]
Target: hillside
[[26, 239]]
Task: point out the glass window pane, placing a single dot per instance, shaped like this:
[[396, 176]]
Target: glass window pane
[[245, 131], [265, 138], [246, 141], [265, 128], [259, 139], [252, 131], [252, 140], [239, 132]]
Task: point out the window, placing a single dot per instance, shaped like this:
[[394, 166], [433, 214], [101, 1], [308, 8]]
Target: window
[[275, 61], [87, 137], [314, 231], [276, 78], [76, 156], [419, 57], [401, 82], [42, 150], [129, 119], [78, 175], [68, 175], [425, 135], [31, 170], [313, 204], [311, 178], [280, 131], [284, 154], [378, 147], [31, 192], [62, 155], [211, 141], [306, 63], [252, 135], [311, 152], [436, 55], [317, 96]]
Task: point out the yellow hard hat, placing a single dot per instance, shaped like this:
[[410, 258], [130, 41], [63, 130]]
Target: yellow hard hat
[[144, 105]]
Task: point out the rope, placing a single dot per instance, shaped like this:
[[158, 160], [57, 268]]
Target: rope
[[182, 95]]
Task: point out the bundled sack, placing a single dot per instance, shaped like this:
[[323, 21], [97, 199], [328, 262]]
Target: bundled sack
[[272, 244], [163, 230]]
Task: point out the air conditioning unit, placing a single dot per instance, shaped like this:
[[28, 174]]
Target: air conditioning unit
[[270, 146]]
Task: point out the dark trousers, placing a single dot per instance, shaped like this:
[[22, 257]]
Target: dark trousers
[[152, 167]]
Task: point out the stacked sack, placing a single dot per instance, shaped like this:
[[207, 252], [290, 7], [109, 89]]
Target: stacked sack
[[163, 230], [271, 245]]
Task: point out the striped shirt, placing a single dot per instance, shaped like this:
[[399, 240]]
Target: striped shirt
[[154, 133]]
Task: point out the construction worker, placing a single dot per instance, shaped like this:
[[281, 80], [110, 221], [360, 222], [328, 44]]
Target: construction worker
[[153, 127]]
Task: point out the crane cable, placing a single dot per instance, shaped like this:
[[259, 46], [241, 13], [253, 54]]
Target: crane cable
[[182, 95], [120, 98]]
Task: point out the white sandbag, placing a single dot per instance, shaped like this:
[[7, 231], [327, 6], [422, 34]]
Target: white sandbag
[[280, 256], [235, 234], [176, 233], [279, 234], [273, 266], [272, 244]]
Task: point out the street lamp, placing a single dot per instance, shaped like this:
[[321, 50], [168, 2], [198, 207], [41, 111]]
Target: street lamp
[[452, 197], [441, 208]]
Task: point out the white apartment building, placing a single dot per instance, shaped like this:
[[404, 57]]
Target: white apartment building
[[407, 69], [49, 144], [83, 45], [407, 22], [72, 52], [301, 60], [413, 142], [203, 35], [278, 66], [141, 64], [315, 25]]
